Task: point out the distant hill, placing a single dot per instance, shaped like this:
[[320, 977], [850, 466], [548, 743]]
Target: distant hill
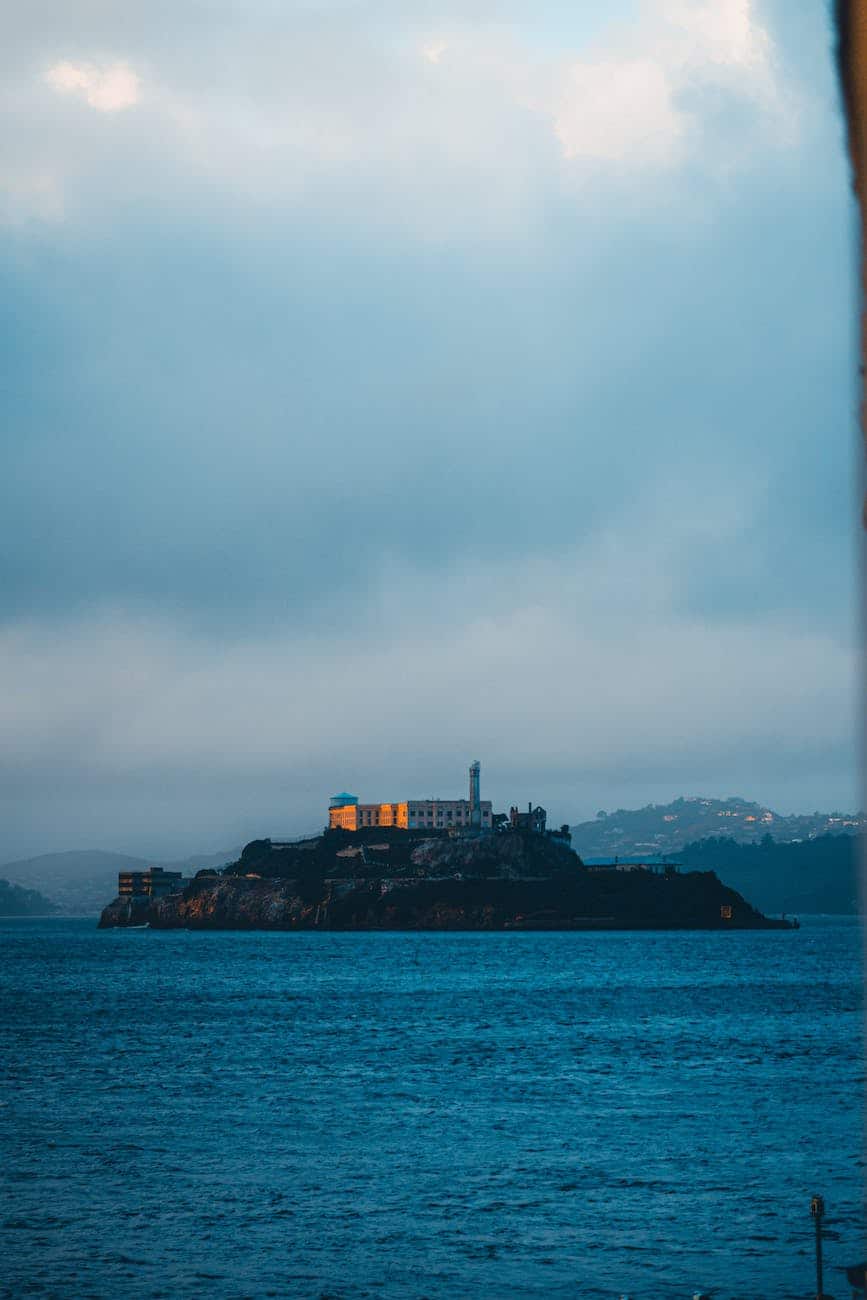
[[83, 881], [15, 901], [819, 875], [661, 829]]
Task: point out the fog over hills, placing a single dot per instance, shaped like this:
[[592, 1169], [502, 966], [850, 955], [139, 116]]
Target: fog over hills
[[801, 863], [83, 881], [661, 829], [17, 901]]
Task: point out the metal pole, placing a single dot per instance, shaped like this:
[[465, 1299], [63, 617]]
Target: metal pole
[[819, 1287], [817, 1209]]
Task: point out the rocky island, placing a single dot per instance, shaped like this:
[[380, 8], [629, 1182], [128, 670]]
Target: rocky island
[[386, 878]]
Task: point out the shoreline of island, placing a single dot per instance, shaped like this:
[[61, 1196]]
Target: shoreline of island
[[388, 879]]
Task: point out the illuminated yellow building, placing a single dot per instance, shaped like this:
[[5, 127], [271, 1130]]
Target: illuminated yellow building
[[350, 815], [346, 813]]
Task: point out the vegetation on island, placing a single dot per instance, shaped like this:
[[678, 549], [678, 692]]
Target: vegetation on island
[[17, 901], [820, 875], [661, 829], [387, 879]]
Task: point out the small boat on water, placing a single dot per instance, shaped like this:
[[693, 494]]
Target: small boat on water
[[145, 926]]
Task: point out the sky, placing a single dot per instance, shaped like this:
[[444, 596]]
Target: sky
[[390, 386]]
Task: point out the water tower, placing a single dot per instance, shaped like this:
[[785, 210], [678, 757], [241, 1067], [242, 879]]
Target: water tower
[[475, 800]]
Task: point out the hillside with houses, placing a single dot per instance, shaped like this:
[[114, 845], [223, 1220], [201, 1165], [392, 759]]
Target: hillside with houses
[[663, 829]]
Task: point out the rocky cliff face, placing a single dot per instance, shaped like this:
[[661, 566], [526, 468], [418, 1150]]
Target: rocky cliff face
[[219, 903], [453, 895], [509, 857]]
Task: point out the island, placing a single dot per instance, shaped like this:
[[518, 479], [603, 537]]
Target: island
[[391, 877]]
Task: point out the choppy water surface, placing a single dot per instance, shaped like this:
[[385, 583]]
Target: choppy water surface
[[427, 1115]]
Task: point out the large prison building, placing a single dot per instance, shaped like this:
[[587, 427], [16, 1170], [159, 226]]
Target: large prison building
[[347, 813]]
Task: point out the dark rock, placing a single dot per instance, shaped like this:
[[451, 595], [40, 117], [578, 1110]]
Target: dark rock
[[501, 882]]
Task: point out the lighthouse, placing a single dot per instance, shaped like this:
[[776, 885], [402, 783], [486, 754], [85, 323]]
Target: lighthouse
[[475, 799]]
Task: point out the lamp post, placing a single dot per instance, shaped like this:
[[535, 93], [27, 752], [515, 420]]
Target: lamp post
[[817, 1210]]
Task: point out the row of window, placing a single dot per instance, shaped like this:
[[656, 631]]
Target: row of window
[[429, 821]]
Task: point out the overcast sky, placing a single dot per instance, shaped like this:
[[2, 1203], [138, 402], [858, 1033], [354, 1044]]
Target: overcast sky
[[388, 385]]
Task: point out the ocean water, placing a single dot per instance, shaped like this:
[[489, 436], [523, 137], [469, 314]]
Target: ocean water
[[440, 1115]]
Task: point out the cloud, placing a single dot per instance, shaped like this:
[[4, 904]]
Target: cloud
[[368, 411], [27, 192], [619, 111], [435, 50], [470, 138], [544, 673], [726, 32], [639, 98], [109, 89]]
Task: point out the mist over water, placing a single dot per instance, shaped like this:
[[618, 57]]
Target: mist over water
[[399, 1115]]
